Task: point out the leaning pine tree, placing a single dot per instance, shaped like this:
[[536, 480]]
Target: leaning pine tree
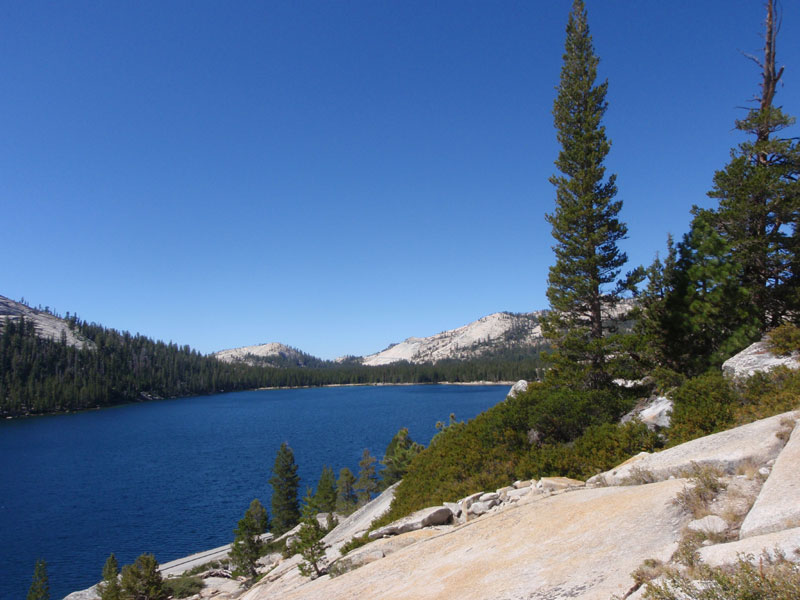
[[584, 223]]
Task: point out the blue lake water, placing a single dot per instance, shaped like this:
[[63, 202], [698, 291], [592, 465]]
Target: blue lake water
[[173, 477]]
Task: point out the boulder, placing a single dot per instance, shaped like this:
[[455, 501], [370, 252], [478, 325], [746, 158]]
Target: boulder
[[466, 502], [656, 412], [518, 388], [778, 504], [454, 508], [712, 524], [786, 542], [489, 496], [554, 484], [754, 443], [757, 358], [479, 508], [524, 484], [427, 517]]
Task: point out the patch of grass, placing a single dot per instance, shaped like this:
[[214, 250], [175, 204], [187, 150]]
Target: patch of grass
[[704, 485], [639, 476], [183, 586], [214, 564]]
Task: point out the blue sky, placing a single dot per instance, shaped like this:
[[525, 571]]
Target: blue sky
[[341, 175]]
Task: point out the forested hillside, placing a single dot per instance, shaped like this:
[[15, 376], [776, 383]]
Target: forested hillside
[[39, 375]]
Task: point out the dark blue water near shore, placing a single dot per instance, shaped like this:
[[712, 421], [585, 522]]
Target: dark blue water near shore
[[173, 477]]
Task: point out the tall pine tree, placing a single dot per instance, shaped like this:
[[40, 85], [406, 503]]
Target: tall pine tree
[[285, 482], [585, 223]]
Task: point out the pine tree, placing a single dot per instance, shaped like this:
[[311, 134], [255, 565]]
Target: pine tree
[[109, 588], [285, 482], [309, 542], [399, 453], [759, 198], [142, 580], [346, 499], [247, 543], [40, 586], [367, 482], [585, 222], [324, 499]]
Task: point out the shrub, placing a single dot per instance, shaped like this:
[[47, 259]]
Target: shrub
[[600, 448], [701, 406], [784, 340], [766, 394], [353, 543], [183, 586]]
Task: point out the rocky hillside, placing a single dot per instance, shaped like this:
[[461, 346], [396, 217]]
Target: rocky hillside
[[487, 336], [270, 355], [47, 325]]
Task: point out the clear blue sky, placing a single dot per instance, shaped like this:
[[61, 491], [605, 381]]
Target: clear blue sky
[[340, 175]]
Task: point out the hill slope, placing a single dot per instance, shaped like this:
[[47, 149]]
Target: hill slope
[[485, 337]]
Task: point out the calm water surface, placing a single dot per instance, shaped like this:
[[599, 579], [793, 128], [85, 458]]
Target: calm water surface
[[173, 477]]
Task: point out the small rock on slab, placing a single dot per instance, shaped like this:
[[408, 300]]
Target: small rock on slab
[[709, 524], [524, 484], [435, 515], [489, 496], [777, 506], [479, 508], [552, 484]]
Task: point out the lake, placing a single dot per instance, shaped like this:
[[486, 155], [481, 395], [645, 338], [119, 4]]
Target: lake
[[173, 477]]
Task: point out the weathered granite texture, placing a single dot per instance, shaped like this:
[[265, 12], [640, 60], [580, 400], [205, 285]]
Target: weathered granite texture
[[754, 443], [561, 546], [786, 541], [778, 505], [757, 358]]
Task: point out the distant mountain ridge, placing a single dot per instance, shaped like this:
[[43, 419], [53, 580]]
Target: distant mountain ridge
[[488, 336], [495, 335], [272, 354]]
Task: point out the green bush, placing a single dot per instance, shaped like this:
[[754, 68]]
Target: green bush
[[701, 406], [768, 394], [600, 448], [183, 586], [784, 340], [353, 543], [561, 414]]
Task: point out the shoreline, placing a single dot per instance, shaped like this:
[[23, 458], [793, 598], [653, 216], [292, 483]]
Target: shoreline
[[380, 384], [299, 387]]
